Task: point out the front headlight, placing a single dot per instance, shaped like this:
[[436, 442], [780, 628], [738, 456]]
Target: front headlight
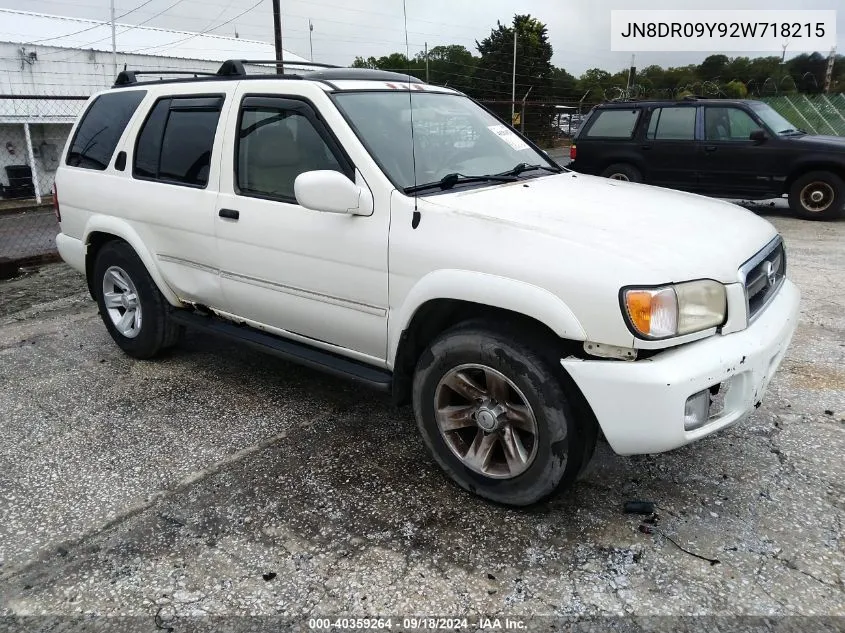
[[674, 310]]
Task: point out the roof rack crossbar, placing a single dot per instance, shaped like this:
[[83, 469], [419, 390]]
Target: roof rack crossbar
[[127, 77], [236, 68]]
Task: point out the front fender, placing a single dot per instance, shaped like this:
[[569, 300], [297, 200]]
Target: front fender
[[488, 290], [122, 229]]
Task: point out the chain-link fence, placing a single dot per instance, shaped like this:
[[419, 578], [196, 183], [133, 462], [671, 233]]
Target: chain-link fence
[[33, 132], [817, 114], [548, 124]]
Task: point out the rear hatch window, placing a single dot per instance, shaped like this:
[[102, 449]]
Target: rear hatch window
[[610, 123], [101, 128]]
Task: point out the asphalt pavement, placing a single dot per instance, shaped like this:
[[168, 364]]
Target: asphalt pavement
[[218, 481]]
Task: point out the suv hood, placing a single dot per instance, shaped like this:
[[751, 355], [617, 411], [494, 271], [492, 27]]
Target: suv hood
[[674, 235], [828, 142]]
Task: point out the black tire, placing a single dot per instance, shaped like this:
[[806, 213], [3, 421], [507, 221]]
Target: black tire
[[156, 331], [622, 171], [565, 440], [827, 185]]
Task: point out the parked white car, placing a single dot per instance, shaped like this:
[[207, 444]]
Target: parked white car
[[520, 307]]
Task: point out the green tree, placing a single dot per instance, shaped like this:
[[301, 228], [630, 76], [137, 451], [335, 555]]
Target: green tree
[[493, 75], [808, 71], [735, 90], [595, 82], [453, 65], [712, 67], [564, 85], [396, 62]]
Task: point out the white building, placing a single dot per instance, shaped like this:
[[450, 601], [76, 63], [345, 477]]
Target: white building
[[50, 64]]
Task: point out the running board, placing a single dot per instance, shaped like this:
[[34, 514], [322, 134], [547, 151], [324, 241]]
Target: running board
[[300, 353]]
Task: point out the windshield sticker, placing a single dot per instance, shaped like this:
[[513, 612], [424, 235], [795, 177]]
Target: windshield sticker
[[508, 137]]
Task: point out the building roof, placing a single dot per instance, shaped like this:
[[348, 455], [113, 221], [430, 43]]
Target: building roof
[[41, 29]]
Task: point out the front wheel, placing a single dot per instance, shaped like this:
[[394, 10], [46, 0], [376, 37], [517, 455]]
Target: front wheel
[[817, 195], [497, 417]]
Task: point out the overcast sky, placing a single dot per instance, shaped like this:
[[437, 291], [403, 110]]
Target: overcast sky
[[578, 29]]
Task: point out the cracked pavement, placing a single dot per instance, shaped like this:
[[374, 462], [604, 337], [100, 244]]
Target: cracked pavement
[[217, 481]]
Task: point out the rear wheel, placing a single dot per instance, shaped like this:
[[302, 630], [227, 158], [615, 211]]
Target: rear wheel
[[131, 306], [623, 171], [817, 195], [496, 416]]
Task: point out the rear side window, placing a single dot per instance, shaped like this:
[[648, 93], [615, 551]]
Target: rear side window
[[101, 127], [613, 124], [176, 141], [672, 124]]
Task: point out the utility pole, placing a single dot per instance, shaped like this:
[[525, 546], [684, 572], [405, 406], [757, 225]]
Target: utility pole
[[828, 75], [522, 112], [513, 84], [113, 43], [630, 75], [426, 62], [277, 36], [310, 43]]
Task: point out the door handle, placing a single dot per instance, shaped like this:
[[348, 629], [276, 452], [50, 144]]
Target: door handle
[[709, 148], [231, 214]]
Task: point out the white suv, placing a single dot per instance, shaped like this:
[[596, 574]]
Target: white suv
[[399, 234]]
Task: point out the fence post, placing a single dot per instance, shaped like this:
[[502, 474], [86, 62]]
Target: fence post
[[32, 166]]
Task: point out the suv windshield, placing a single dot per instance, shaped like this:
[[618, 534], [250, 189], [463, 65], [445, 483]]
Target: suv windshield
[[452, 136], [774, 121]]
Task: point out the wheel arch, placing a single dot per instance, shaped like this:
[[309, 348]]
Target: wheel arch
[[812, 164], [101, 230], [633, 161], [445, 298]]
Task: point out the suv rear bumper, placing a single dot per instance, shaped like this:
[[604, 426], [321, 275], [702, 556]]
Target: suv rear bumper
[[72, 251], [640, 405]]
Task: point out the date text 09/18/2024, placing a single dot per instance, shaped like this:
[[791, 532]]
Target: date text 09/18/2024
[[417, 624]]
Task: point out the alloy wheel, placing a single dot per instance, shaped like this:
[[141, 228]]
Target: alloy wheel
[[486, 421], [122, 302]]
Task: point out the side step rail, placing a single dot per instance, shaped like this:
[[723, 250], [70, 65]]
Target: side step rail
[[376, 378]]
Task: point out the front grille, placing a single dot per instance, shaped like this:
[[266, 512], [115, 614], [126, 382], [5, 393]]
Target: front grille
[[762, 276]]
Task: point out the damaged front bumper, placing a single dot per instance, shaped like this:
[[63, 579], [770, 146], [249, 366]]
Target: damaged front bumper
[[641, 405]]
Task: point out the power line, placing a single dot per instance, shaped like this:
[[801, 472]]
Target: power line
[[131, 27], [90, 28], [203, 32]]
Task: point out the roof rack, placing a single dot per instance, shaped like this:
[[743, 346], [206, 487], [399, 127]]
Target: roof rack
[[236, 68], [233, 69], [127, 77]]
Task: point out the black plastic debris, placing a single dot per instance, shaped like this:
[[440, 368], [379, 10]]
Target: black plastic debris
[[639, 507]]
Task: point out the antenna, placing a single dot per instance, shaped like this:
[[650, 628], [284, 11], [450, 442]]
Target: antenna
[[416, 219]]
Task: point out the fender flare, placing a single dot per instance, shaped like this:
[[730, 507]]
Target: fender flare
[[814, 162], [489, 290], [123, 230]]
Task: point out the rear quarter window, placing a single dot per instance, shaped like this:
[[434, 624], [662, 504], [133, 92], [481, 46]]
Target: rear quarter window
[[612, 124], [101, 127]]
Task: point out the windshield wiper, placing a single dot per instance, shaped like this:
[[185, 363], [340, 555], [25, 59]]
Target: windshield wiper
[[790, 132], [450, 180], [522, 167]]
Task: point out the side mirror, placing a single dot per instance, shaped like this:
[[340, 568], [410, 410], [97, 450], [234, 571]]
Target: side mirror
[[331, 192], [758, 136]]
